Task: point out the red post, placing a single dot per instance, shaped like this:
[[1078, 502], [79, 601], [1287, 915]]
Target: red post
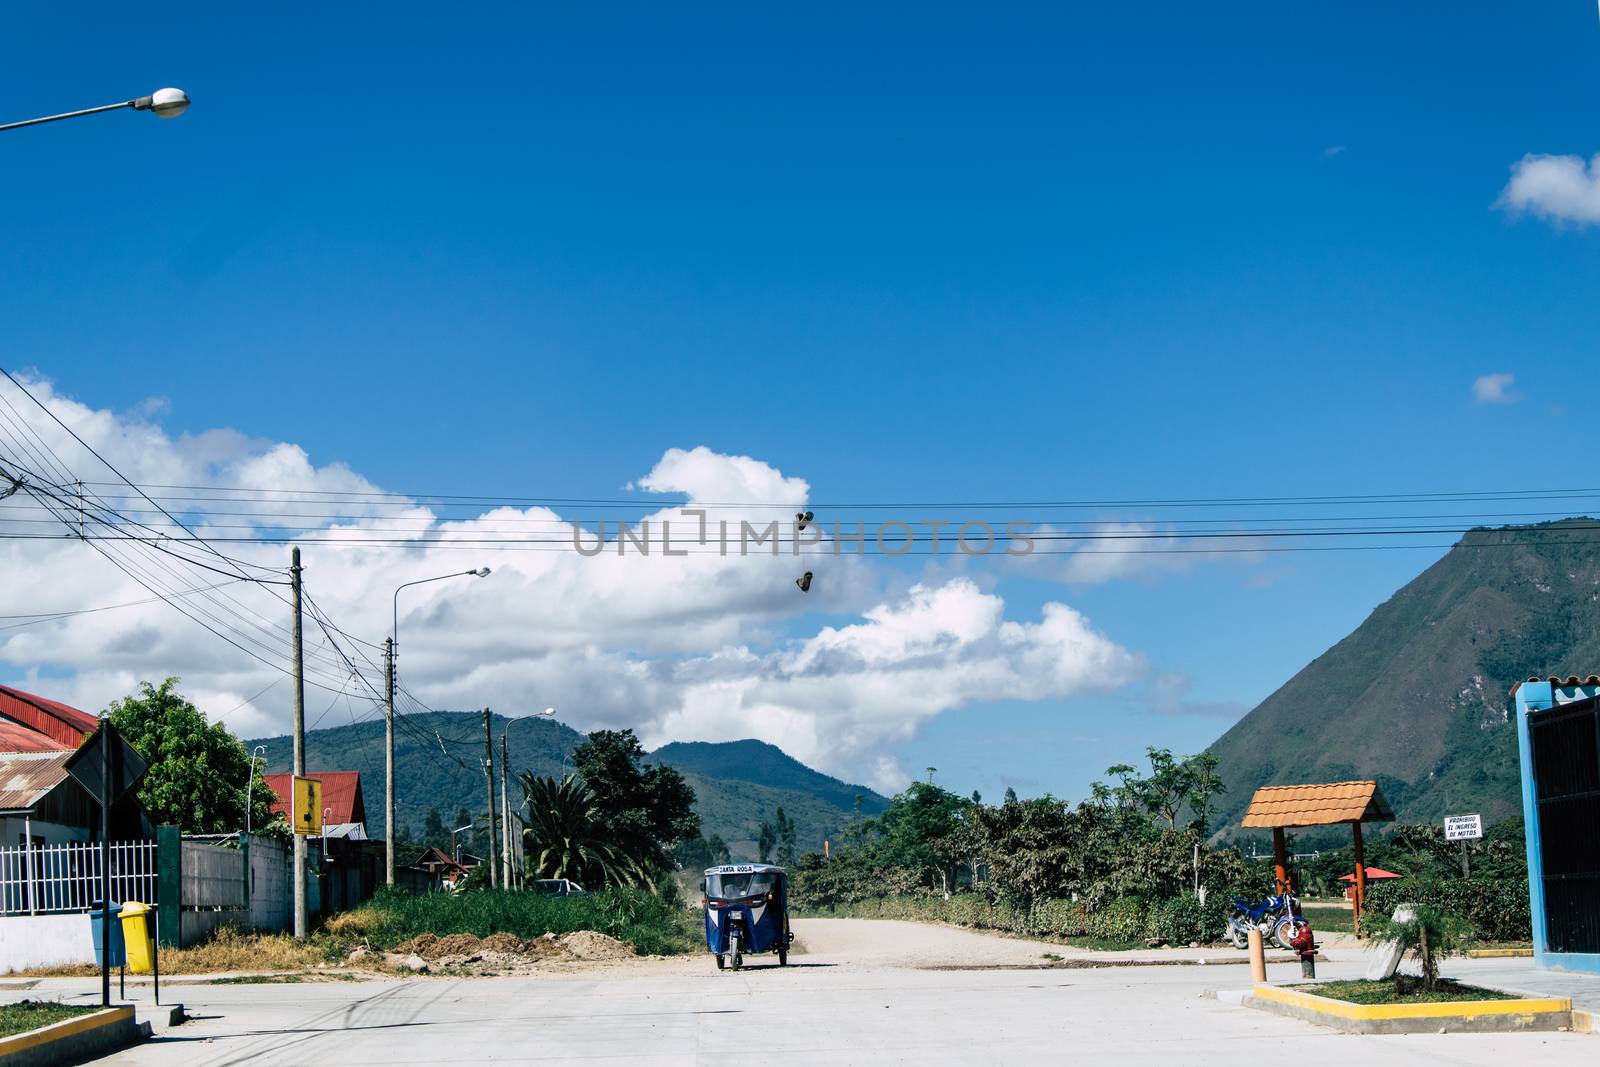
[[1360, 897], [1280, 860]]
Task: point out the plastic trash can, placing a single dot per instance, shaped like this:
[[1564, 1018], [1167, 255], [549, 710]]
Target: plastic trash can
[[138, 933], [97, 920]]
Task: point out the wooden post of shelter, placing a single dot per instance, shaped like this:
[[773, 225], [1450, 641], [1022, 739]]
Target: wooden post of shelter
[[1358, 900], [1282, 807]]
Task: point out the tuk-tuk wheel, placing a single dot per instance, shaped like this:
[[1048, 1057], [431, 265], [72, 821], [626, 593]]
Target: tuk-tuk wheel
[[721, 961], [783, 957]]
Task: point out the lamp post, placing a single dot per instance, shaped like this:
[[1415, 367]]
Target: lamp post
[[388, 713], [163, 103], [249, 785]]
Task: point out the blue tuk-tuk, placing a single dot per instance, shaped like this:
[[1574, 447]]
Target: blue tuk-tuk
[[747, 910]]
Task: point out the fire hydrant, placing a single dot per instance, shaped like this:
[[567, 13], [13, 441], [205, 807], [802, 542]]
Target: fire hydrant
[[1303, 943]]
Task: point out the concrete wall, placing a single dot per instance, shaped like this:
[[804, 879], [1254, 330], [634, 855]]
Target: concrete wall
[[271, 884], [28, 941]]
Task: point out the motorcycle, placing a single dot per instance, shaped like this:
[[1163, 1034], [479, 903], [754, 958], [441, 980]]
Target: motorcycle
[[1277, 917]]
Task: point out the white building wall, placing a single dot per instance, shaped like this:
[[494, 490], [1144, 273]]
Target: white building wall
[[28, 941]]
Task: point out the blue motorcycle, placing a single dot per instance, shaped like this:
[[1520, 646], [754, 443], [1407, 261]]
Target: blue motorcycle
[[1277, 917]]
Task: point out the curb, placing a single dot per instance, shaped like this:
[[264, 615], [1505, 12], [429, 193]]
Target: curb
[[83, 1038], [1460, 1017], [1500, 953]]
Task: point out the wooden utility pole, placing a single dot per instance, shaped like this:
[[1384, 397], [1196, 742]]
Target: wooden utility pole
[[1280, 860], [505, 811], [388, 759], [299, 746], [488, 793], [1360, 900]]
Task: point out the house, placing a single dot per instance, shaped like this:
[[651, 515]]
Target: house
[[40, 804], [344, 813], [445, 872], [30, 723]]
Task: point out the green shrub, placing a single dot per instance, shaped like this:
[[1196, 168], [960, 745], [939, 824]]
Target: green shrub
[[1493, 909], [652, 925], [1183, 919], [1122, 920]]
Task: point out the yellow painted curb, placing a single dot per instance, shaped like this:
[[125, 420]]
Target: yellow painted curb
[[1499, 953], [66, 1028], [1585, 1022], [1460, 1009]]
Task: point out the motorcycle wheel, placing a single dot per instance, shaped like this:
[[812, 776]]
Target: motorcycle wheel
[[738, 956], [783, 957], [721, 961], [1236, 937]]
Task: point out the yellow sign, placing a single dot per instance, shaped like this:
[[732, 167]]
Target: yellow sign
[[308, 805]]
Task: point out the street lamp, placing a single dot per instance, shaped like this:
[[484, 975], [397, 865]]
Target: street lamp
[[388, 715], [249, 784], [163, 103]]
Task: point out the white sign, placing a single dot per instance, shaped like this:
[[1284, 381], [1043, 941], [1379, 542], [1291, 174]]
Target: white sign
[[1462, 827]]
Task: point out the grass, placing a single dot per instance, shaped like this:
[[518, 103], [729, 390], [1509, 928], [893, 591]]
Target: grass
[[1410, 992], [653, 925], [28, 1015]]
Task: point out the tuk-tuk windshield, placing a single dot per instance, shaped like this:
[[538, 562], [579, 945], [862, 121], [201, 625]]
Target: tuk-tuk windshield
[[739, 886]]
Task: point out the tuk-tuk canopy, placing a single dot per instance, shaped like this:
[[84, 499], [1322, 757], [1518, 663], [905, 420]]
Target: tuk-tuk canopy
[[733, 881]]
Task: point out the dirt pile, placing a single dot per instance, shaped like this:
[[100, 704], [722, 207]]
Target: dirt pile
[[588, 945], [502, 953]]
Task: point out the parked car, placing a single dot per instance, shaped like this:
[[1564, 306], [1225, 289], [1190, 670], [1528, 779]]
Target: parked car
[[556, 887]]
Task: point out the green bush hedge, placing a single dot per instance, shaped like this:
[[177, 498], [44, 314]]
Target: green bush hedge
[[1179, 920], [653, 926], [1496, 909]]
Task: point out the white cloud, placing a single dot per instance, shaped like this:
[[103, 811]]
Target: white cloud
[[1494, 389], [1557, 188], [702, 646], [1332, 150]]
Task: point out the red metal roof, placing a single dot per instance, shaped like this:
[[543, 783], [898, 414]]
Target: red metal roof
[[60, 722], [15, 737], [341, 791]]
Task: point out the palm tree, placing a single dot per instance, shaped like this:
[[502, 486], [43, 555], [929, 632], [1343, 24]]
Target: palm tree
[[563, 836]]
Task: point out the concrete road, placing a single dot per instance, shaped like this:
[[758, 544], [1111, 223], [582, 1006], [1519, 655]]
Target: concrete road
[[864, 992]]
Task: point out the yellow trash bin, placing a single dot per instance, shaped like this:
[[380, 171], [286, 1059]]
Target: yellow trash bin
[[139, 935]]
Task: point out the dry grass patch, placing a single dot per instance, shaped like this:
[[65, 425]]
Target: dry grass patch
[[226, 950]]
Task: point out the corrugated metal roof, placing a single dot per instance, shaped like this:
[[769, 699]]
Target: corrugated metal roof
[[25, 777], [1317, 805], [61, 722], [14, 737]]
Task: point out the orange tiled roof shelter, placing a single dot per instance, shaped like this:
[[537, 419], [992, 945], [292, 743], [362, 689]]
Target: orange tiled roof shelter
[[1281, 807], [1317, 805]]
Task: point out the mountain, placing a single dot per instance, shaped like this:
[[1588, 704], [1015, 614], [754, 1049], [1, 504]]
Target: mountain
[[1417, 696], [439, 761], [757, 761]]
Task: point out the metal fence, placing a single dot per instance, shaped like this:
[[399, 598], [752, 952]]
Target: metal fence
[[41, 879]]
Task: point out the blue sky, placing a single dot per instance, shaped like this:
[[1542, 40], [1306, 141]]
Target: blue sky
[[911, 253]]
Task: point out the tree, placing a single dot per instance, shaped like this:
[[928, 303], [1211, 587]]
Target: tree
[[1423, 931], [977, 798], [435, 834], [564, 836], [698, 853], [1174, 785], [642, 812], [765, 840], [198, 770], [920, 831], [1011, 795], [783, 836]]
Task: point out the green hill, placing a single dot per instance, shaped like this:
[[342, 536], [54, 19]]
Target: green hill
[[438, 764], [1416, 696]]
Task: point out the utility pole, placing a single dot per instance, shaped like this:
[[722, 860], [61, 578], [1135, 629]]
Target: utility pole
[[488, 792], [299, 746], [388, 759], [505, 810]]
